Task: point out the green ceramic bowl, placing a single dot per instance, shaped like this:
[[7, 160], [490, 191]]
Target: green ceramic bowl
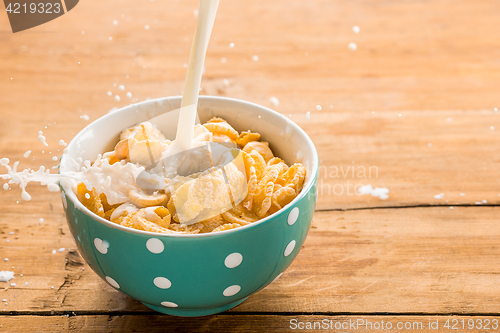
[[202, 274]]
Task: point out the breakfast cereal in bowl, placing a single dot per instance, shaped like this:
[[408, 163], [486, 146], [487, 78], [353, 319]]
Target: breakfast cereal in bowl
[[200, 238], [242, 182]]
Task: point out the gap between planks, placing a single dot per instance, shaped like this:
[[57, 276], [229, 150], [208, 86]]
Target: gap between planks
[[243, 313], [403, 207]]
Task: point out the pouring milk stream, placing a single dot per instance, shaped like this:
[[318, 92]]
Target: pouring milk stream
[[206, 19]]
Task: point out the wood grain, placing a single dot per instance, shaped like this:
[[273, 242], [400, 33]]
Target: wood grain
[[438, 69], [415, 260], [415, 102], [253, 323]]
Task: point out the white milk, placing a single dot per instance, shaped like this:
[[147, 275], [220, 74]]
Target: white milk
[[6, 276], [187, 117]]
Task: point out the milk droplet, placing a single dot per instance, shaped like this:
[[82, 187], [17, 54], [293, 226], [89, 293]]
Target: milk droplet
[[146, 27], [4, 161], [380, 192], [85, 117], [6, 186], [121, 87], [129, 94], [54, 158], [110, 93], [41, 138], [223, 60], [355, 29], [41, 220], [53, 187], [25, 196], [226, 82], [62, 143], [308, 115], [231, 45], [274, 101], [318, 107], [255, 58], [117, 98], [115, 22], [352, 46], [26, 154]]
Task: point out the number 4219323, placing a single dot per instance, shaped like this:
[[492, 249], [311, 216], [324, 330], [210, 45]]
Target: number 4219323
[[32, 8], [463, 324]]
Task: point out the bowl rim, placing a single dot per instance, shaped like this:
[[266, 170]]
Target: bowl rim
[[305, 189]]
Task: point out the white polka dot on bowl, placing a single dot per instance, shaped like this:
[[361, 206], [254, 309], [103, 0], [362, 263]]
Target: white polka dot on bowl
[[155, 245], [112, 282], [231, 290], [233, 260], [293, 216], [169, 304], [101, 246], [289, 248], [162, 282]]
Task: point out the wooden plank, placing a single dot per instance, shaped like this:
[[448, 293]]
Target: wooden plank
[[416, 156], [416, 260], [446, 69], [381, 149], [410, 56], [252, 323]]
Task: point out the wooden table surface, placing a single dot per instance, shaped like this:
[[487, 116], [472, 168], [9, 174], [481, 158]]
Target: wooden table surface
[[412, 109]]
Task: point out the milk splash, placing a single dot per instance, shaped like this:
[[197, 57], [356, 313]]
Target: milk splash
[[26, 176], [6, 276], [113, 180]]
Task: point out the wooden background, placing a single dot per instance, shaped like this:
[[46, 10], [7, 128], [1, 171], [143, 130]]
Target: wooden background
[[415, 102]]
